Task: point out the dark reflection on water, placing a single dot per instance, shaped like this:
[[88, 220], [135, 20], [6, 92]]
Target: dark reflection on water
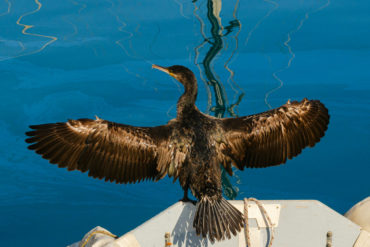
[[216, 44]]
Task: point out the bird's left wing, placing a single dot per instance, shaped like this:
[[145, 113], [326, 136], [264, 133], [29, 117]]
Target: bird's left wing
[[116, 152], [272, 137]]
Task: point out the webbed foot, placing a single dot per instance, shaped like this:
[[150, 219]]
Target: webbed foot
[[187, 199]]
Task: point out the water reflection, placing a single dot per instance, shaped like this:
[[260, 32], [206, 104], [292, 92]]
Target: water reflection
[[215, 44], [25, 28], [219, 28], [236, 88], [66, 80], [8, 9], [289, 48]]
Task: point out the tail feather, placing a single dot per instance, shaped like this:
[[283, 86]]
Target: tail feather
[[224, 216], [231, 217], [217, 219], [220, 226], [234, 217], [224, 221], [215, 224]]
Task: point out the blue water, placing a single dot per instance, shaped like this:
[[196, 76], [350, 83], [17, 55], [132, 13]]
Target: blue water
[[70, 59]]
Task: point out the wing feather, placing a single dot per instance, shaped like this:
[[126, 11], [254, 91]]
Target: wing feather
[[108, 150], [272, 137]]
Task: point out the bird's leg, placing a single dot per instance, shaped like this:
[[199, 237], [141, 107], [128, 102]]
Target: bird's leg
[[186, 198]]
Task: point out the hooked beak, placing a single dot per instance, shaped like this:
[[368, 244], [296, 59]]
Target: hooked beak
[[160, 68]]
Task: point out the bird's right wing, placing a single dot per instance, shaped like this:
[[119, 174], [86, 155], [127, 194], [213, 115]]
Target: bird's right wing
[[116, 152], [272, 137]]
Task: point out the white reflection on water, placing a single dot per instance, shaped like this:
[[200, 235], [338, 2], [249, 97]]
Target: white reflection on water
[[197, 53], [290, 50], [258, 24], [181, 10], [235, 86], [8, 9]]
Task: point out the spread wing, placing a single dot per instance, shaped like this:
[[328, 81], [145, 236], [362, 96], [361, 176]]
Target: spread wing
[[116, 152], [272, 137]]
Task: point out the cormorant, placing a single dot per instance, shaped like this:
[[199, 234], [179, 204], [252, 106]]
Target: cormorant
[[190, 147]]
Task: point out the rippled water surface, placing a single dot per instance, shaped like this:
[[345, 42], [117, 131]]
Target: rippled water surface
[[70, 59]]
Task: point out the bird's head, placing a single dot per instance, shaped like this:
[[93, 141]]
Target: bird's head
[[180, 73]]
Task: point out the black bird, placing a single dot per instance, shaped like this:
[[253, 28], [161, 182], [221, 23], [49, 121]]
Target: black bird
[[190, 147]]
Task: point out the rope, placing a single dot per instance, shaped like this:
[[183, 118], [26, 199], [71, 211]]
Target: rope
[[246, 222], [265, 215], [96, 232]]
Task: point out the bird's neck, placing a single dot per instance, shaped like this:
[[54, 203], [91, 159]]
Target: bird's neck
[[186, 103]]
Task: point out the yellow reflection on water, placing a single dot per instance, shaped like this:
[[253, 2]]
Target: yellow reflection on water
[[27, 27]]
